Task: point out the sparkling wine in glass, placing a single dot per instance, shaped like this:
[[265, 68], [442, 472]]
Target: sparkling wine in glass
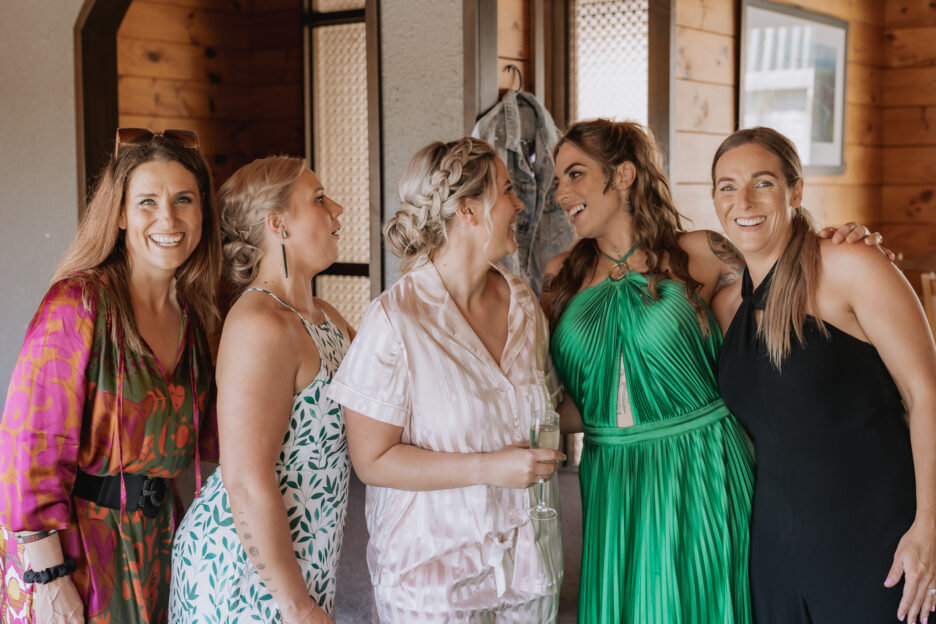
[[544, 433]]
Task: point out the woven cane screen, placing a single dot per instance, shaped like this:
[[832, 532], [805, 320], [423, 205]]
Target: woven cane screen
[[348, 293], [330, 6], [609, 62], [340, 131]]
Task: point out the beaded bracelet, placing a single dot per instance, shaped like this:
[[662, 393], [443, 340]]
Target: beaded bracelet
[[35, 537], [50, 574]]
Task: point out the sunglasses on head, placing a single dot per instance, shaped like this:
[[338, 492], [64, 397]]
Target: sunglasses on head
[[144, 136]]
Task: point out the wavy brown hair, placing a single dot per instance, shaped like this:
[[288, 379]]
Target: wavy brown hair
[[657, 224], [99, 251], [796, 274]]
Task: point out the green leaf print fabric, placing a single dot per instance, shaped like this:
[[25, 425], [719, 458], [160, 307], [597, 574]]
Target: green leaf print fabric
[[212, 578]]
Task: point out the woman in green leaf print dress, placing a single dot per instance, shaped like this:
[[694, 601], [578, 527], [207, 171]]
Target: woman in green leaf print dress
[[262, 544]]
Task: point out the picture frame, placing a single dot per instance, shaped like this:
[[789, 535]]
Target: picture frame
[[792, 67]]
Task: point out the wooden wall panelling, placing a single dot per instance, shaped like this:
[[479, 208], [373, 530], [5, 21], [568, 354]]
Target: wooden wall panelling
[[276, 121], [864, 124], [835, 204], [864, 84], [164, 22], [704, 107], [694, 153], [277, 101], [710, 15], [228, 5], [910, 47], [912, 125], [864, 43], [705, 56], [910, 204], [909, 86], [514, 37], [910, 165], [862, 167], [176, 98], [513, 29], [911, 240], [276, 66], [912, 13], [694, 202], [909, 115], [177, 61], [276, 29], [852, 11]]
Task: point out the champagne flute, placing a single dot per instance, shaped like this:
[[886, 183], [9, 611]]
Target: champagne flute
[[544, 433]]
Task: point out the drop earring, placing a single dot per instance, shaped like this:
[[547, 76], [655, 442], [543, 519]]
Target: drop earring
[[284, 234]]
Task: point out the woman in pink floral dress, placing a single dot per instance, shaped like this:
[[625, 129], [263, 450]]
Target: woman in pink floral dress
[[109, 398]]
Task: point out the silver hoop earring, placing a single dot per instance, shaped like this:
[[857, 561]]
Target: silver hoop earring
[[284, 234]]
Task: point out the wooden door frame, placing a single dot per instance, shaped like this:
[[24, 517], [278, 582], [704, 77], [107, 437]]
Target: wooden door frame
[[96, 87]]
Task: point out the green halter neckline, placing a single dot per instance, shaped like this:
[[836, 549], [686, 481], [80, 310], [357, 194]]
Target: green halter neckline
[[622, 259]]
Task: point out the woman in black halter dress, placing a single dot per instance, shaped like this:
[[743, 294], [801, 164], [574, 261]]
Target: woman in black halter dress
[[845, 498]]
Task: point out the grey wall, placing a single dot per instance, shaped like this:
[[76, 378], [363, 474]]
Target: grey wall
[[422, 71], [38, 147]]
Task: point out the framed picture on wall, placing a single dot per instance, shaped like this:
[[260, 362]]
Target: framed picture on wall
[[792, 79]]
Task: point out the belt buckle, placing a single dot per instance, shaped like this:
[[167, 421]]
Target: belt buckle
[[151, 498]]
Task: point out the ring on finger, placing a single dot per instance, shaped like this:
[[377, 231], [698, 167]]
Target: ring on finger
[[931, 591]]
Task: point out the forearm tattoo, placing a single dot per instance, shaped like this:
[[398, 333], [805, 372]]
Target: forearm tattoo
[[547, 282], [254, 552], [730, 256]]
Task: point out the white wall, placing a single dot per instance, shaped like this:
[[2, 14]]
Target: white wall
[[422, 66], [38, 147]]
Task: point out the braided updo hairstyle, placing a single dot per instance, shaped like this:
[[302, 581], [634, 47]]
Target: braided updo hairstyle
[[438, 178], [255, 190]]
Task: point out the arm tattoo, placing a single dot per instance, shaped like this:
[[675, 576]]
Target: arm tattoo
[[726, 252], [547, 282], [254, 552]]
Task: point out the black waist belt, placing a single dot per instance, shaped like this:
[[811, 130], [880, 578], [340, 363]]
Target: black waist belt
[[148, 494]]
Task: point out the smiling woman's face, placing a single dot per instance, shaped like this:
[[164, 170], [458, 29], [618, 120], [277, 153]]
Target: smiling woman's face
[[753, 202], [581, 192], [161, 217]]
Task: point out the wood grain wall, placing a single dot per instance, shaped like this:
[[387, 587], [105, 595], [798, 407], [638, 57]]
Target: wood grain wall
[[705, 73], [229, 69], [513, 43], [909, 138]]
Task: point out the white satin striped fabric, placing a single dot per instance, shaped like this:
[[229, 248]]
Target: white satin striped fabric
[[417, 364]]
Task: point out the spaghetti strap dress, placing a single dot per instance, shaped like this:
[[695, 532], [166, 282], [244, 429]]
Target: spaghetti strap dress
[[666, 501], [835, 481], [213, 580]]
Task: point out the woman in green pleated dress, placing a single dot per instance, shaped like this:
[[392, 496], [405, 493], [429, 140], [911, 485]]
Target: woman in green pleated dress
[[666, 471]]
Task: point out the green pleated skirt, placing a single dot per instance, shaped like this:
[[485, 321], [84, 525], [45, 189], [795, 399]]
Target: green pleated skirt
[[665, 512]]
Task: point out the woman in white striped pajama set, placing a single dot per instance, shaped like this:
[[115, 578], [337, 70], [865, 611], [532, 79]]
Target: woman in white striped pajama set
[[439, 387]]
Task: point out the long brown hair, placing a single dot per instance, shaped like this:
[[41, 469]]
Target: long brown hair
[[99, 252], [657, 224], [796, 274]]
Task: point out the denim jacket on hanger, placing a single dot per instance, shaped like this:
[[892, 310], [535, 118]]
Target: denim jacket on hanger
[[524, 134]]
